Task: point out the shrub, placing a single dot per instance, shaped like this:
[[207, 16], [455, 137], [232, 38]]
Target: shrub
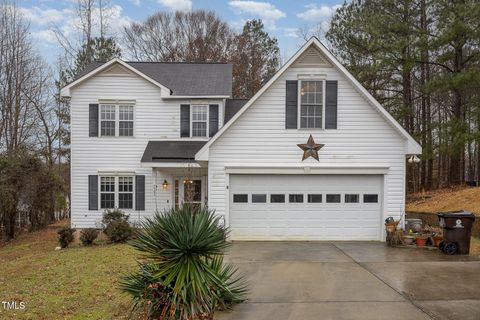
[[113, 215], [87, 236], [116, 226], [181, 274], [65, 236]]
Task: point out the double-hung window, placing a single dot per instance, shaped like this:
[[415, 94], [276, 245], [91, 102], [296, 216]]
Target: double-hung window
[[199, 120], [125, 118], [125, 192], [116, 120], [107, 120], [107, 192], [311, 104], [116, 192]]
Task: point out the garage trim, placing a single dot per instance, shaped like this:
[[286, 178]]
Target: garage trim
[[242, 169]]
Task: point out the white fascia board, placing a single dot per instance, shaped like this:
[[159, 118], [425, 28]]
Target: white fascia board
[[194, 97], [170, 165], [412, 144], [413, 147], [66, 92], [305, 169]]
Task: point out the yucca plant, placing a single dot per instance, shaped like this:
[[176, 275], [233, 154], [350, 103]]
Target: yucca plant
[[181, 271]]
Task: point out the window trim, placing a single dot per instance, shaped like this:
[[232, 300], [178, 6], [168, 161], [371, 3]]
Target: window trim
[[117, 105], [299, 102], [116, 199], [100, 192], [207, 106]]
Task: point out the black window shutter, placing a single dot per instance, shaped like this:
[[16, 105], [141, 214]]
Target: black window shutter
[[93, 120], [140, 192], [291, 104], [213, 120], [93, 192], [184, 120], [331, 105]]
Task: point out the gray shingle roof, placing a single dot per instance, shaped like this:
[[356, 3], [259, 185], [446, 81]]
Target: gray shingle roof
[[183, 78], [171, 151], [232, 106]]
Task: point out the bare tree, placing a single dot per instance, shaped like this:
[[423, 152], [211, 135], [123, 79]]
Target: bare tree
[[92, 21], [28, 128], [197, 36], [17, 71], [307, 31]]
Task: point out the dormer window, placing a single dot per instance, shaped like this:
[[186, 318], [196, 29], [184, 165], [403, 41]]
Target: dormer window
[[199, 120], [311, 104]]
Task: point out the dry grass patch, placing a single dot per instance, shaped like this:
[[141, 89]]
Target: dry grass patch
[[445, 200], [75, 283]]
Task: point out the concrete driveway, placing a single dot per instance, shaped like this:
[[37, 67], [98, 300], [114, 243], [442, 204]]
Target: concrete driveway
[[353, 280]]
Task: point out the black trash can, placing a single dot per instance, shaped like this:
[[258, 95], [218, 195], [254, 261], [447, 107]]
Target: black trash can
[[457, 226]]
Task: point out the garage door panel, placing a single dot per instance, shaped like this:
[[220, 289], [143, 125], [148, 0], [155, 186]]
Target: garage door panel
[[305, 220]]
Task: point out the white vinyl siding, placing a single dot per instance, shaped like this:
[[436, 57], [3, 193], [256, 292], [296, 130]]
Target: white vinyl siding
[[155, 119], [258, 138]]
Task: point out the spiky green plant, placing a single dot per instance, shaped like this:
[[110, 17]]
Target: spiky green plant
[[181, 271]]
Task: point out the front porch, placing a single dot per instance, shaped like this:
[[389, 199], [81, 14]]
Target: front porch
[[177, 177], [176, 186]]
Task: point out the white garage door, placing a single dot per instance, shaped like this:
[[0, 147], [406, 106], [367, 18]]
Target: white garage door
[[305, 207]]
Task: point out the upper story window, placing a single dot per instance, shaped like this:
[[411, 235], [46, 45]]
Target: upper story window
[[311, 104], [107, 120], [199, 120], [125, 126], [116, 120]]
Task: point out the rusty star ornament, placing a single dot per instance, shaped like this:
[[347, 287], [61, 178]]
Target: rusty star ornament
[[310, 149]]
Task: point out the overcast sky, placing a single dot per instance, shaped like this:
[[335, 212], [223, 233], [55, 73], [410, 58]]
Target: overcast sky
[[281, 18]]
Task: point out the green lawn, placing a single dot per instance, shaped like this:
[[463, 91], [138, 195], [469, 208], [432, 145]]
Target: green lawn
[[75, 283]]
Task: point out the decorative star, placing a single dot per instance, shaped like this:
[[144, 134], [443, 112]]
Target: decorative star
[[310, 149]]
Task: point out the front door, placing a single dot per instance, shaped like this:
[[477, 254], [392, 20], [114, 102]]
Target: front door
[[188, 191]]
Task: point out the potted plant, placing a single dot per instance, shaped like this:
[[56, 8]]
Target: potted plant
[[421, 240]]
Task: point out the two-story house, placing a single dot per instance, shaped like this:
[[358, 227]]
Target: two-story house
[[149, 136]]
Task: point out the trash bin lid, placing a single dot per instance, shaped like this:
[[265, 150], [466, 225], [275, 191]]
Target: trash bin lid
[[456, 214]]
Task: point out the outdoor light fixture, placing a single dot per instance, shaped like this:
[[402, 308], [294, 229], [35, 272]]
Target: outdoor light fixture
[[165, 184], [414, 159]]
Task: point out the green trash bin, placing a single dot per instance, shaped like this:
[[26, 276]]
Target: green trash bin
[[457, 228]]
